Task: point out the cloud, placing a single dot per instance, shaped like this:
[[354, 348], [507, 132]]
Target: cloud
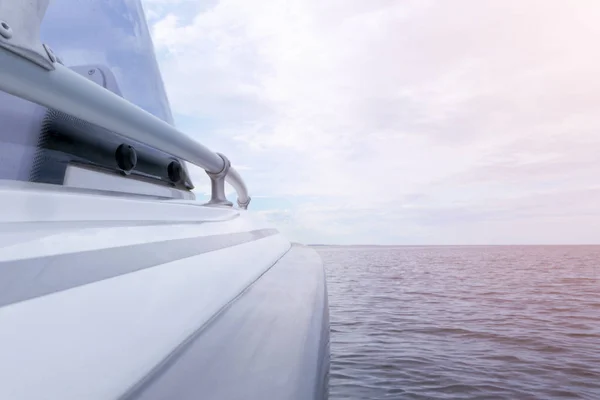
[[413, 121]]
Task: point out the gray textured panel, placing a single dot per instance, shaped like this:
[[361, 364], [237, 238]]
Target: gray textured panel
[[270, 343], [25, 279]]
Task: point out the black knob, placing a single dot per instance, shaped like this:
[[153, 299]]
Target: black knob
[[175, 171], [126, 157]]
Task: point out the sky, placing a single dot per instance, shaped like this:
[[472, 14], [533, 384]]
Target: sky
[[396, 121]]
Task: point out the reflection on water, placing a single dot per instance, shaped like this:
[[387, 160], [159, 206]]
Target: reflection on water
[[464, 322]]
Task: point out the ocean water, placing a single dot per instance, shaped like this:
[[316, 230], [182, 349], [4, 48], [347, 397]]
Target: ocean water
[[464, 322]]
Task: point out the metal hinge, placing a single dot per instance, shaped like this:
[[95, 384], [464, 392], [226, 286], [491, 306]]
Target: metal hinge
[[20, 22]]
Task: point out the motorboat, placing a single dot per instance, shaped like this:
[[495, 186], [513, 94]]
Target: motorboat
[[116, 282]]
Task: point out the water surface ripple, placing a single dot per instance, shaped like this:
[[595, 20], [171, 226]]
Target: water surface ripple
[[464, 322]]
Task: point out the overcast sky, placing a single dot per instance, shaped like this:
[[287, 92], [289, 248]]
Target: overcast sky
[[393, 121]]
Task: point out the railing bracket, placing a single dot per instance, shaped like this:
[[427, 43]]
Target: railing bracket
[[217, 185]]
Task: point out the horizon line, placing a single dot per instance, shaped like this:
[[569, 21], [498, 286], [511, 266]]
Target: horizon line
[[448, 245]]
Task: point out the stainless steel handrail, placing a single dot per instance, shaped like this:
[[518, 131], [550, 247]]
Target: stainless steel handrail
[[64, 90]]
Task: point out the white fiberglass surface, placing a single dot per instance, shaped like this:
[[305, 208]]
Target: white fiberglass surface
[[85, 178], [95, 341], [64, 240], [28, 202]]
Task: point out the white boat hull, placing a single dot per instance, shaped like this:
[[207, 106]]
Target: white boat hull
[[111, 297]]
